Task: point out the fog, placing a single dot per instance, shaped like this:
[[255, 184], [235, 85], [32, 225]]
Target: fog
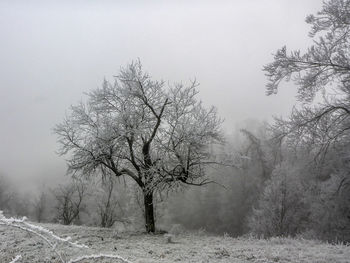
[[51, 52]]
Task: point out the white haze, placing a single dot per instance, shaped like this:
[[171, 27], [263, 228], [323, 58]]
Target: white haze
[[52, 52]]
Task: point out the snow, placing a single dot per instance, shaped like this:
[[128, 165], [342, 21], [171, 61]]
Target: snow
[[99, 256], [138, 247], [18, 257]]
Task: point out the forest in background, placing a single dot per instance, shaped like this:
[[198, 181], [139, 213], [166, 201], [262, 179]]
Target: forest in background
[[276, 189]]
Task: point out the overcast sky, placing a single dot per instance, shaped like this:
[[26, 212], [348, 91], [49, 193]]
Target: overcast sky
[[51, 52]]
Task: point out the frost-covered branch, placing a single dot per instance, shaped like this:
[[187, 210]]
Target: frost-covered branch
[[98, 256], [18, 257], [138, 127], [324, 63]]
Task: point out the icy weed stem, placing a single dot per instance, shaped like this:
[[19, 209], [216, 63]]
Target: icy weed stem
[[41, 232]]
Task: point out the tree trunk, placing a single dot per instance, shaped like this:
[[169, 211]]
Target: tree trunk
[[149, 216]]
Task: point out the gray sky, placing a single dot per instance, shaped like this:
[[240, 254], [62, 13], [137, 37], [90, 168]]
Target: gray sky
[[53, 51]]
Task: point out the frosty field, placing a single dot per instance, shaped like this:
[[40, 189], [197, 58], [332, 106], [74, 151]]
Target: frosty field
[[186, 247]]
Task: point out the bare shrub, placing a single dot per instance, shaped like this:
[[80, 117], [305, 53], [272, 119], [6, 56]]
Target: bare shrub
[[69, 199]]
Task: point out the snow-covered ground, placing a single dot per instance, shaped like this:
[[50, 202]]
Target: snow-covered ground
[[186, 247]]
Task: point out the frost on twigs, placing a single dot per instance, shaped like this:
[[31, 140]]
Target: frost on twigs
[[15, 259], [51, 239], [99, 256]]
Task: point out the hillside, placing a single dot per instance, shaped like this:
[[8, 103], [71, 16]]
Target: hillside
[[186, 247]]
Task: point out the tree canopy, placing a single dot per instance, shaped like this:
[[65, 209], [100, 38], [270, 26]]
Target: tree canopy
[[323, 70]]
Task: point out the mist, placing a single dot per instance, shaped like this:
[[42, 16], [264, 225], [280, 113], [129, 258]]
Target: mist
[[174, 131], [52, 52]]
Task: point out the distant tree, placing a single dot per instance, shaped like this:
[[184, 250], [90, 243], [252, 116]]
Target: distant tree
[[255, 161], [281, 210], [40, 207], [330, 202], [11, 201], [109, 207], [255, 151], [137, 127], [69, 199], [5, 195], [255, 155]]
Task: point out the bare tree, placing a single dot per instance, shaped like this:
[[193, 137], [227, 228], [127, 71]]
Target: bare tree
[[255, 149], [5, 195], [320, 127], [69, 201], [281, 209], [40, 207], [138, 128], [11, 201], [109, 208], [325, 69], [324, 62]]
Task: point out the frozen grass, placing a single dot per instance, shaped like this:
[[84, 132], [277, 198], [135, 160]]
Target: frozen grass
[[186, 247]]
